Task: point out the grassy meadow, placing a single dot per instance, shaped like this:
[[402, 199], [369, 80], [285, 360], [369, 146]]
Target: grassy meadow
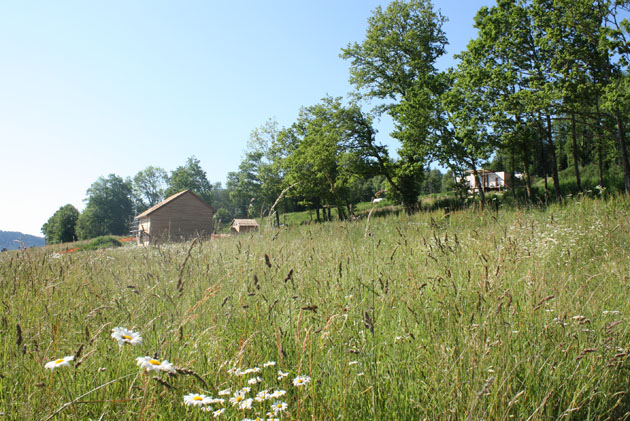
[[520, 314]]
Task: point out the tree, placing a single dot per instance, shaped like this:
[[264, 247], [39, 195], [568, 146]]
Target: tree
[[60, 228], [190, 177], [395, 64], [148, 187], [326, 150], [109, 208]]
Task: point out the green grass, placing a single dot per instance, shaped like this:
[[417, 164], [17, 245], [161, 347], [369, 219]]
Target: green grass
[[474, 315]]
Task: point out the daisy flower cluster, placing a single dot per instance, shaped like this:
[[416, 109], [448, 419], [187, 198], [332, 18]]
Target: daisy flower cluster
[[258, 391]]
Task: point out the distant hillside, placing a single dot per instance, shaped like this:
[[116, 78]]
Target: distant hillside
[[14, 240]]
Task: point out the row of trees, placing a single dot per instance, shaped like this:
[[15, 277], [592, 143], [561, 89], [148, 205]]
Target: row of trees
[[112, 202], [544, 80], [544, 85]]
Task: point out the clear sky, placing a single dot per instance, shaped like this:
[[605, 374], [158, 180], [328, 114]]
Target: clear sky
[[92, 88]]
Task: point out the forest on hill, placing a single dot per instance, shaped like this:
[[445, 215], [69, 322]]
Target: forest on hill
[[543, 91]]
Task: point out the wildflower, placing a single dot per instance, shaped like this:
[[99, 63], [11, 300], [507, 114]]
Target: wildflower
[[300, 381], [278, 393], [282, 375], [262, 396], [195, 399], [218, 412], [149, 364], [360, 374], [269, 364], [246, 403], [123, 336], [60, 362], [212, 401], [225, 391], [353, 362], [237, 398], [245, 390], [254, 380], [279, 406]]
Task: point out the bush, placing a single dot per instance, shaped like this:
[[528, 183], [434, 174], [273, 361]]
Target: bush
[[102, 243]]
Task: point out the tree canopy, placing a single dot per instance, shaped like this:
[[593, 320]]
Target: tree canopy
[[61, 227], [109, 208]]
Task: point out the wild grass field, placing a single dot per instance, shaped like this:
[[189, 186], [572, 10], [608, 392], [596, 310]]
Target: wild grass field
[[520, 314]]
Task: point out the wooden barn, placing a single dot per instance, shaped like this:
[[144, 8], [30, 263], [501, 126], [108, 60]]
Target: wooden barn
[[243, 225], [182, 216]]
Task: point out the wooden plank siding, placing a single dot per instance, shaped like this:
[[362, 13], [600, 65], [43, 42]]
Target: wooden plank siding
[[180, 218]]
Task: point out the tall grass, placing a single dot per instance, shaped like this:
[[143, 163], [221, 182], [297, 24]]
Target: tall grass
[[473, 315]]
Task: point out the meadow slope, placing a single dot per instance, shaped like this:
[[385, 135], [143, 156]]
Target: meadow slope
[[521, 314]]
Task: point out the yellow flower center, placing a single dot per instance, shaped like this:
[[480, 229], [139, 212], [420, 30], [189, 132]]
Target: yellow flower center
[[197, 398], [59, 361], [127, 337], [239, 398], [154, 362]]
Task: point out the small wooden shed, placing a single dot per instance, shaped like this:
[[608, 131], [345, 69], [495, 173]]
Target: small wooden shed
[[243, 225], [179, 217]]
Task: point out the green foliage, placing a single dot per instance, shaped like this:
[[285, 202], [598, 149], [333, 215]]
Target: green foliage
[[396, 63], [503, 315], [109, 208], [102, 243], [61, 227], [190, 177], [148, 187], [223, 215]]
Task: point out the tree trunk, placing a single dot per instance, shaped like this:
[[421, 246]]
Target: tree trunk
[[528, 178], [576, 165], [554, 159], [600, 145], [621, 139], [482, 194]]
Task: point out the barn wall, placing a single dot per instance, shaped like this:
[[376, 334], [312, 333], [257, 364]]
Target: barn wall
[[182, 218], [144, 228]]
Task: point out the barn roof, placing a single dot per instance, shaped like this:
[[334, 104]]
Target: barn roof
[[245, 222], [169, 200]]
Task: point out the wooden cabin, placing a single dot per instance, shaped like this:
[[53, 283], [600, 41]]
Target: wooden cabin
[[179, 217], [243, 225]]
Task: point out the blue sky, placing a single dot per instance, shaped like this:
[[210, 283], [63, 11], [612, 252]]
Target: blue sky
[[93, 88]]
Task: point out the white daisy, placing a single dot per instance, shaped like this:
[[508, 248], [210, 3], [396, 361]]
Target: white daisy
[[123, 336], [212, 401], [218, 412], [254, 380], [278, 393], [60, 362], [237, 399], [269, 364], [149, 364], [300, 381], [246, 403], [279, 406], [353, 362], [262, 396], [225, 391], [245, 390], [195, 399], [282, 375]]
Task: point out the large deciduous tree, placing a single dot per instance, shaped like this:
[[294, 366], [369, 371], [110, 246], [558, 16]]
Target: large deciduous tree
[[148, 187], [60, 228], [190, 177], [109, 208], [395, 65]]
